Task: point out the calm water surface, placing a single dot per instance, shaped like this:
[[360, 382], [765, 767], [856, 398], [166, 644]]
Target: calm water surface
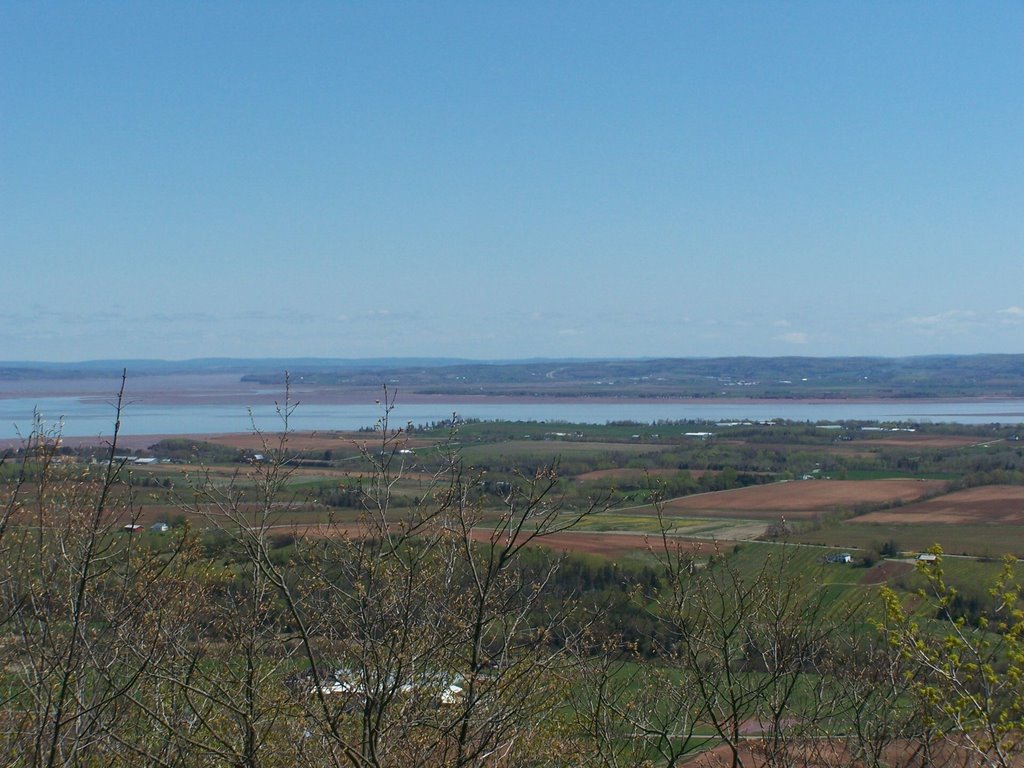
[[85, 417]]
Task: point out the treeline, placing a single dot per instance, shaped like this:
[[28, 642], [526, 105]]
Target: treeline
[[193, 450]]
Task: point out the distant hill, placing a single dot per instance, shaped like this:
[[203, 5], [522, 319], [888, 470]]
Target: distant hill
[[769, 377], [35, 370], [932, 376]]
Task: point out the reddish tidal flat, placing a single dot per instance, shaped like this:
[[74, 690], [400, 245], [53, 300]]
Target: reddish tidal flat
[[128, 442], [297, 441], [1002, 504], [802, 498], [226, 388]]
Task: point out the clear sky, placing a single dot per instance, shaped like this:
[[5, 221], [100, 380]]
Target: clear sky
[[503, 180]]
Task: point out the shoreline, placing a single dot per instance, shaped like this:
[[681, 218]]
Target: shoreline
[[164, 397], [193, 394], [227, 389]]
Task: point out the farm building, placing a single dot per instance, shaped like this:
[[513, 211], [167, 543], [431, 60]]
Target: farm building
[[350, 684]]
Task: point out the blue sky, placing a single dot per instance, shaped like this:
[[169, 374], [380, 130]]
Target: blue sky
[[501, 180]]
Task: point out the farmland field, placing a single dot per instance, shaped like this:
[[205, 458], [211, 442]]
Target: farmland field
[[985, 504], [923, 441], [551, 449], [733, 485], [802, 498], [606, 544], [971, 540]]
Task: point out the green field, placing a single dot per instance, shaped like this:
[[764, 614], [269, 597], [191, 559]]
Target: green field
[[962, 539]]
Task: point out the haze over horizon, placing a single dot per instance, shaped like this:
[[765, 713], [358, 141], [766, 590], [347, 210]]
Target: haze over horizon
[[197, 364], [512, 181]]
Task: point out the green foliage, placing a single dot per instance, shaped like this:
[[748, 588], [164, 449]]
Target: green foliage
[[889, 548], [966, 665]]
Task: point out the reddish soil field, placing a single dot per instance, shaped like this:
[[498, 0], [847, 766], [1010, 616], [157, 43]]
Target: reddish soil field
[[606, 544], [124, 443], [801, 498], [197, 471], [828, 753], [1002, 504], [922, 441], [596, 543], [312, 441], [885, 571]]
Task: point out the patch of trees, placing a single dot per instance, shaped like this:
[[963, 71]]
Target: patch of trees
[[191, 450]]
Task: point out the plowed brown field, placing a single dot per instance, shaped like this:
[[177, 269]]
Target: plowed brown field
[[311, 441], [801, 498], [607, 544], [922, 441], [986, 504]]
